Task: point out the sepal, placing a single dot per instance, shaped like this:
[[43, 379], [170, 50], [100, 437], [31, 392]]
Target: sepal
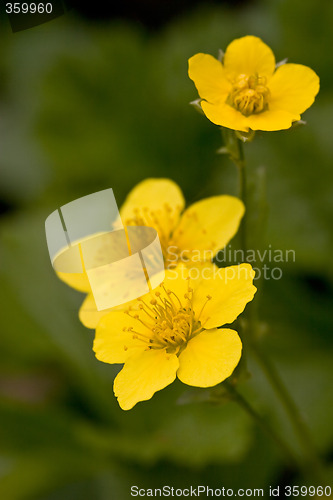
[[196, 105]]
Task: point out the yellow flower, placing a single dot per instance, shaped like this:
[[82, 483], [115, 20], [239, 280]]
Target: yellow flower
[[193, 236], [246, 91], [173, 331]]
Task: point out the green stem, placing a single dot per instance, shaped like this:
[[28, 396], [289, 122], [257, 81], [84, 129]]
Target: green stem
[[242, 192], [240, 162], [234, 147], [262, 423]]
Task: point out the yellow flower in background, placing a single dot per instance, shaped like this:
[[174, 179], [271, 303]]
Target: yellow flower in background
[[191, 236], [196, 233], [247, 92], [173, 331]]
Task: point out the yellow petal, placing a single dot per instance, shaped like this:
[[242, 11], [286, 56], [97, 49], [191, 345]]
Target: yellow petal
[[208, 225], [293, 88], [179, 279], [272, 119], [176, 281], [79, 281], [88, 314], [163, 199], [144, 374], [208, 76], [103, 247], [114, 345], [248, 55], [231, 289], [225, 115], [210, 357]]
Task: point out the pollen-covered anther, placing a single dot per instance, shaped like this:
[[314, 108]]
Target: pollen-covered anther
[[249, 94], [171, 323]]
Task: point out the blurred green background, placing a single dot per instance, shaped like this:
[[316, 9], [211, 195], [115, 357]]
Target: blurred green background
[[89, 105]]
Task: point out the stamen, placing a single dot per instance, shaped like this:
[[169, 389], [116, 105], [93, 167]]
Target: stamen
[[144, 323], [139, 336], [199, 329], [147, 310], [249, 94], [152, 218], [170, 322], [150, 311], [176, 296], [203, 307]]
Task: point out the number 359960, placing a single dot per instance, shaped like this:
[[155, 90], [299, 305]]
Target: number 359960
[[28, 8]]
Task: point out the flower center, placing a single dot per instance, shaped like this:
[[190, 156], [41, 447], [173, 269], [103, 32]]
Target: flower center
[[161, 220], [249, 94], [164, 221], [171, 321]]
